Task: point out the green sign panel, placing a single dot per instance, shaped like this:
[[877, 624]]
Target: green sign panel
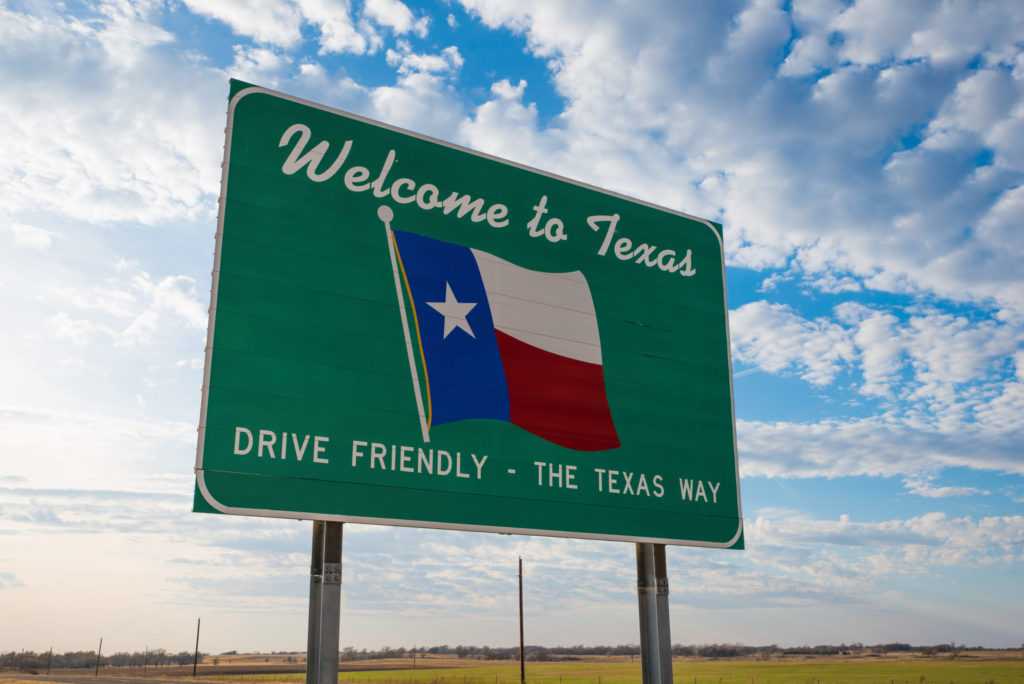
[[407, 332]]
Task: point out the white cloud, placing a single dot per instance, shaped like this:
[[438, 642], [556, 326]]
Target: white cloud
[[156, 156], [130, 308], [78, 331], [31, 237], [979, 102], [775, 338], [924, 486], [947, 349], [918, 544], [448, 61], [94, 450], [506, 126], [811, 51], [111, 298], [878, 338], [875, 33], [127, 33], [951, 364], [129, 130], [276, 22], [338, 31], [951, 395], [423, 98], [397, 16], [886, 445], [1000, 227], [1003, 412], [260, 65], [174, 295]]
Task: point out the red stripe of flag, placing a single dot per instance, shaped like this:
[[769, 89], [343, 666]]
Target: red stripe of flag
[[556, 397]]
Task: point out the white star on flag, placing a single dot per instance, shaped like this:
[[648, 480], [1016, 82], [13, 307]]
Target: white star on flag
[[454, 312]]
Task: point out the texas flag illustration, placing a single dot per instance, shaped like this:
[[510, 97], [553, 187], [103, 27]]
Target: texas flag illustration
[[499, 341]]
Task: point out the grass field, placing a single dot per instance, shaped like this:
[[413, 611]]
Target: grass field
[[812, 671], [1007, 668]]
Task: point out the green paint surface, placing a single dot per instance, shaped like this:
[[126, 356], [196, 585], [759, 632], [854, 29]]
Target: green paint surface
[[308, 341]]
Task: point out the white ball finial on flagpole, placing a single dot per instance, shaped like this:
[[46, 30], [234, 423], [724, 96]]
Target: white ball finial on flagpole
[[385, 214]]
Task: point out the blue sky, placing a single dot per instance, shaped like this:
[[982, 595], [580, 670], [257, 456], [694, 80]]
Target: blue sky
[[866, 159]]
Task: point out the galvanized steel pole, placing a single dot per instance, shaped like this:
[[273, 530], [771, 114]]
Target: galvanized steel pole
[[330, 607], [664, 628], [316, 571], [652, 593]]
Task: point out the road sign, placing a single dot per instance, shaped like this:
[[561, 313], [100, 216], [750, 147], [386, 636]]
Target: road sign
[[407, 332]]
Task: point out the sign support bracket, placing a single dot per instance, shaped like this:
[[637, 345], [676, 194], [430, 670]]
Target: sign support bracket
[[652, 594]]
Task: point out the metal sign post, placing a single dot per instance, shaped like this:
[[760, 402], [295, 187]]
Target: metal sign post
[[324, 604], [655, 635], [330, 606], [316, 570], [661, 598]]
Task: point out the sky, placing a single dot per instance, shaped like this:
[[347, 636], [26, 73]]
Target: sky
[[865, 157]]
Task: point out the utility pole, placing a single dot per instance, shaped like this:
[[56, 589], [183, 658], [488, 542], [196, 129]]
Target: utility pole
[[195, 658], [522, 646], [145, 657], [99, 651], [49, 660]]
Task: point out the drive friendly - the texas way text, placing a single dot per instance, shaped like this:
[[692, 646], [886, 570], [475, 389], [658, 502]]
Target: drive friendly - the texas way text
[[436, 462]]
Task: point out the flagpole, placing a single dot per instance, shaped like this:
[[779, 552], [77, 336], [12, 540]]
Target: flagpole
[[385, 214]]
